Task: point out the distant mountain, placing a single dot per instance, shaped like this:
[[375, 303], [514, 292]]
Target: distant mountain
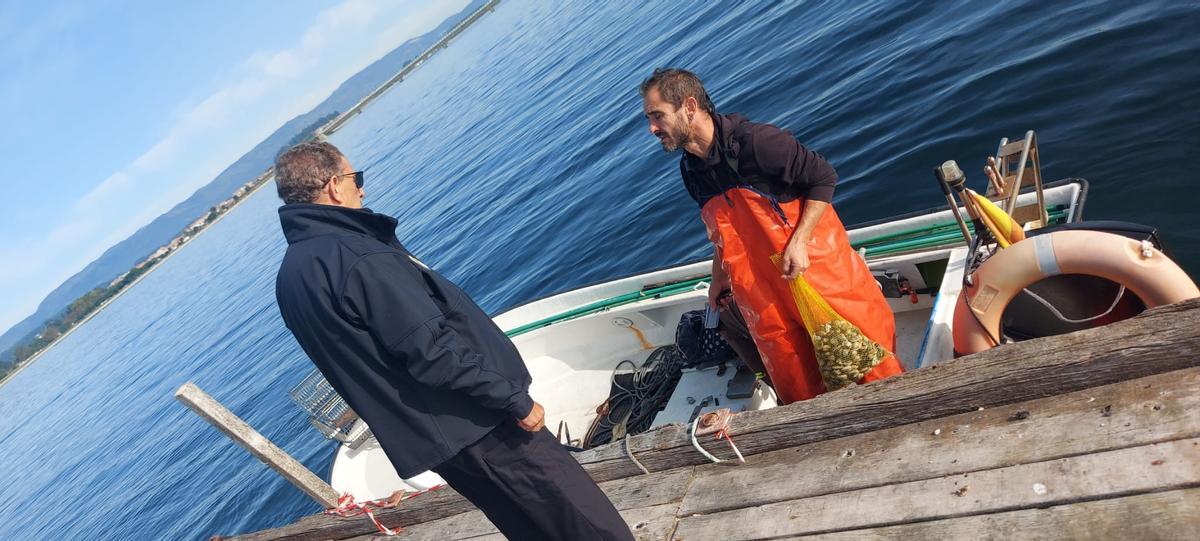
[[127, 253]]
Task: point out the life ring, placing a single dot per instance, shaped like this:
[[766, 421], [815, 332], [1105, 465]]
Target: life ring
[[1141, 268]]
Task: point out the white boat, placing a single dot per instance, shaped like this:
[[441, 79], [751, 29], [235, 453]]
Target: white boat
[[573, 341]]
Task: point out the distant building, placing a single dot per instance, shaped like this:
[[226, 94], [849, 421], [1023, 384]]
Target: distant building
[[118, 279]]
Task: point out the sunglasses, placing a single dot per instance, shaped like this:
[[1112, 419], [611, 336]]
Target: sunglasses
[[358, 178]]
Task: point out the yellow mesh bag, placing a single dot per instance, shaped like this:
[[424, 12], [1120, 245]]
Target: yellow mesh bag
[[844, 354]]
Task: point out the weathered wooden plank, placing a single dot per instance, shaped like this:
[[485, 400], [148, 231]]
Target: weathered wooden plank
[[1165, 516], [441, 503], [1126, 414], [652, 490], [256, 444], [1136, 470], [440, 509], [665, 488], [652, 523], [461, 526], [1159, 340], [647, 523]]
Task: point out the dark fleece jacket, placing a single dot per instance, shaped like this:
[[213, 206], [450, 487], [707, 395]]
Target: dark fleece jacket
[[766, 158], [416, 358]]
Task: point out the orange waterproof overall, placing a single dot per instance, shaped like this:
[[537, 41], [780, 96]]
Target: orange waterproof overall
[[748, 227]]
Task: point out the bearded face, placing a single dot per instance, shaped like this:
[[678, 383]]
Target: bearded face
[[669, 123], [675, 133]]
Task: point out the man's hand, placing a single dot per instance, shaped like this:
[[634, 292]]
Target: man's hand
[[719, 283], [794, 261], [535, 420], [715, 296]]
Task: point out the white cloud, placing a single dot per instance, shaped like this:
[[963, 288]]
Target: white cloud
[[266, 89], [347, 16], [403, 30], [111, 185], [284, 64]]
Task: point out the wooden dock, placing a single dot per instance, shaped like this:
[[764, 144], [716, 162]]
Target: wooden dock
[[1091, 435]]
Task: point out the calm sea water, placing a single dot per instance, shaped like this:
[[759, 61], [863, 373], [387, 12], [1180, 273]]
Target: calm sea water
[[518, 164]]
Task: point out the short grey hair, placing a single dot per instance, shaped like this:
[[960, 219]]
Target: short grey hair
[[302, 171]]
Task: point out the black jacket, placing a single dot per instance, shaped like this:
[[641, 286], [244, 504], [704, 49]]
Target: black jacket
[[766, 158], [416, 358]]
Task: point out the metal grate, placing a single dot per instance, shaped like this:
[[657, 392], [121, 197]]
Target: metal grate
[[327, 412]]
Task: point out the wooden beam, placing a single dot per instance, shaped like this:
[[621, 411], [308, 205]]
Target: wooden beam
[[1159, 340], [444, 502], [467, 525], [1136, 470], [1162, 515], [1013, 148], [1127, 414], [443, 509], [270, 454], [652, 523]]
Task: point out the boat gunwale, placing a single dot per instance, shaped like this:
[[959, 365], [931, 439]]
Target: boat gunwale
[[1075, 212], [1075, 216]]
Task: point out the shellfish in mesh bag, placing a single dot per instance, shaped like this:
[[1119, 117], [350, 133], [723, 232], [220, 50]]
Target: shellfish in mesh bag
[[844, 354]]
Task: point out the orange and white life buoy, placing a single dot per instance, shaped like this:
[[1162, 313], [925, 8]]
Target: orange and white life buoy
[[1138, 266]]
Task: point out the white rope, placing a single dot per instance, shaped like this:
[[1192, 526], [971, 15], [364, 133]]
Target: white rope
[[696, 444], [736, 451], [633, 458], [1060, 316], [1147, 249]]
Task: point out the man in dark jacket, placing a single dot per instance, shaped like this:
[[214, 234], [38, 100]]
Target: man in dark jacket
[[440, 385]]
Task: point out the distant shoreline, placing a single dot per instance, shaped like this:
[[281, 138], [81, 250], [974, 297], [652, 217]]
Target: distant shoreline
[[328, 129], [128, 286], [336, 124]]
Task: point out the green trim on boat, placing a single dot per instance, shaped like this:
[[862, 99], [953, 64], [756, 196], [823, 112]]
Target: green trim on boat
[[665, 290], [903, 241], [1056, 212], [933, 239]]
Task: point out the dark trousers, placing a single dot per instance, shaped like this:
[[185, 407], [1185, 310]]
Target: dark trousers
[[736, 332], [530, 487]]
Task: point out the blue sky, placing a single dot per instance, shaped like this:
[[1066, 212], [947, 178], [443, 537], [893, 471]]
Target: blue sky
[[118, 110]]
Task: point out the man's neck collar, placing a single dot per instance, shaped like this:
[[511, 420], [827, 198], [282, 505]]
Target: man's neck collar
[[302, 221]]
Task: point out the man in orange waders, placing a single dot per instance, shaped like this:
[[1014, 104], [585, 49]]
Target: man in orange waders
[[762, 193]]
